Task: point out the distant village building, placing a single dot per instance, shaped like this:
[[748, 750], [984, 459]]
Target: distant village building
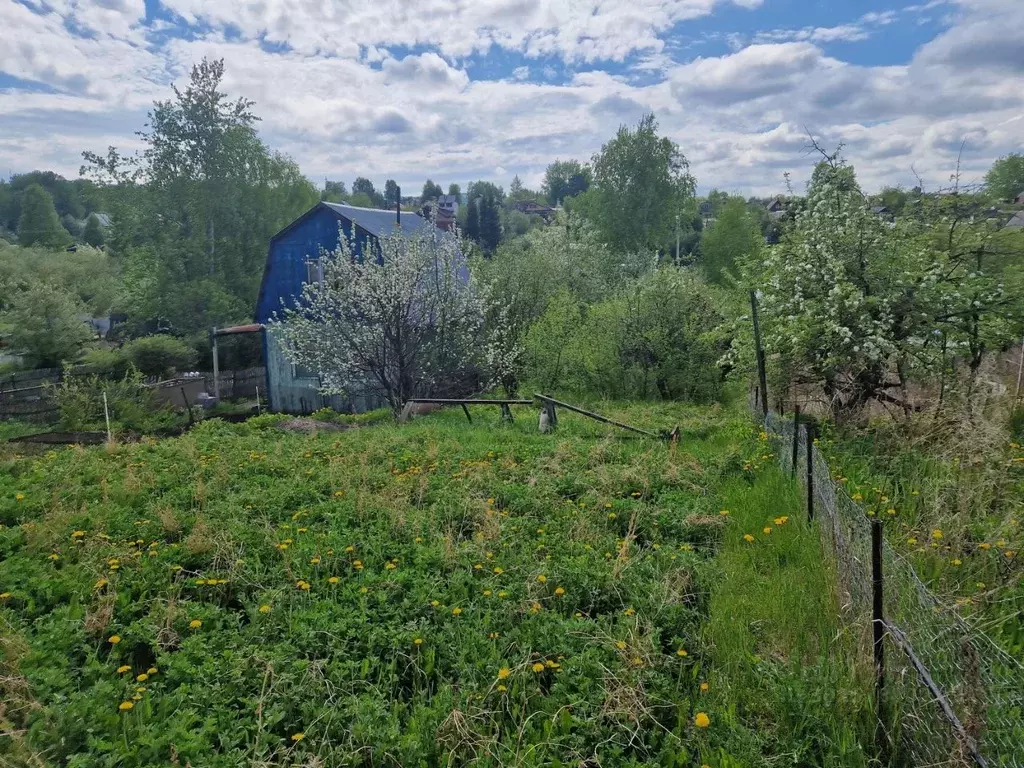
[[776, 207], [1016, 221], [533, 208], [293, 259]]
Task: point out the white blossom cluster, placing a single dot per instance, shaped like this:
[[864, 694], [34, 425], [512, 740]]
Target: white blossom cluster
[[401, 319]]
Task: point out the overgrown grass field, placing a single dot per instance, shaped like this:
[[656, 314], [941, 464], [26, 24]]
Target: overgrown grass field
[[432, 594]]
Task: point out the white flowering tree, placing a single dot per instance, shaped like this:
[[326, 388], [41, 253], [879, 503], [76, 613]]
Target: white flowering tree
[[402, 321], [860, 306]]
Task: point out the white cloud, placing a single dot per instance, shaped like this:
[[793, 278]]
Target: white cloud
[[341, 102]]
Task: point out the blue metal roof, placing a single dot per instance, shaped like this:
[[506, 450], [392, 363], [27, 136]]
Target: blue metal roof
[[378, 222]]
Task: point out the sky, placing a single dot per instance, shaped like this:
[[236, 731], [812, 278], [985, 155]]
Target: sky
[[458, 90]]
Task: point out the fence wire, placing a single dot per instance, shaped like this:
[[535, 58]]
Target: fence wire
[[953, 697]]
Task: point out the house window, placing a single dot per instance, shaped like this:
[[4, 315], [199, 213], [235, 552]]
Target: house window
[[300, 372], [315, 271]]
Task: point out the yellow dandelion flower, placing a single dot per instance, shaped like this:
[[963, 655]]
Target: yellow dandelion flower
[[19, 497], [298, 736], [702, 720], [100, 584], [418, 641], [264, 609], [363, 590], [114, 639], [389, 566], [857, 497], [538, 667], [937, 534], [778, 521], [502, 688], [503, 673], [542, 578], [333, 580], [911, 541], [629, 611], [956, 561], [141, 678], [456, 611], [195, 624], [723, 512], [123, 668], [503, 594], [682, 652], [350, 549], [487, 593], [315, 560], [704, 687], [54, 556], [984, 545], [611, 515], [77, 534], [620, 644], [767, 529], [358, 565], [478, 566], [559, 591], [749, 538], [124, 706], [151, 671], [499, 571]]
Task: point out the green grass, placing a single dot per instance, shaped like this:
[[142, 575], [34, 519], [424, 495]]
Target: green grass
[[500, 598]]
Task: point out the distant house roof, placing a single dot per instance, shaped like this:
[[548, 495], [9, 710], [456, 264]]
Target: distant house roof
[[879, 209], [533, 207], [776, 204], [376, 221], [1016, 221]]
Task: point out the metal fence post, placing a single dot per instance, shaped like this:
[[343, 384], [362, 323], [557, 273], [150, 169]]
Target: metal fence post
[[796, 439], [809, 435], [878, 635]]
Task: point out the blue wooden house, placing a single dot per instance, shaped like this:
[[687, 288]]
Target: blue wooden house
[[293, 260]]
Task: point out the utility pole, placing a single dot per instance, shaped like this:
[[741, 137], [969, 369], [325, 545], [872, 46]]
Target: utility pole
[[677, 238]]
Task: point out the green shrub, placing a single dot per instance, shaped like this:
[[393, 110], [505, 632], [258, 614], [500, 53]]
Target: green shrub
[[130, 403], [159, 355], [106, 362]]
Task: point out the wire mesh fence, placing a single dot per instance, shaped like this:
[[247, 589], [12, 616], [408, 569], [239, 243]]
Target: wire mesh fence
[[952, 696]]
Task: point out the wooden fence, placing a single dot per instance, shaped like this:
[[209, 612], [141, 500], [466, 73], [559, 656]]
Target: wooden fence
[[28, 395]]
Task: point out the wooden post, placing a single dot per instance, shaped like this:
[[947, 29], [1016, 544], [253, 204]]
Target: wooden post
[[796, 439], [878, 635], [106, 416], [762, 377], [216, 365], [466, 411], [809, 435]]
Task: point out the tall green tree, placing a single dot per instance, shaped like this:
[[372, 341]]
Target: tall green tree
[[483, 222], [39, 223], [564, 179], [93, 232], [454, 189], [363, 186], [1005, 179], [42, 322], [334, 192], [431, 191], [641, 181], [192, 213], [391, 192], [733, 236]]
